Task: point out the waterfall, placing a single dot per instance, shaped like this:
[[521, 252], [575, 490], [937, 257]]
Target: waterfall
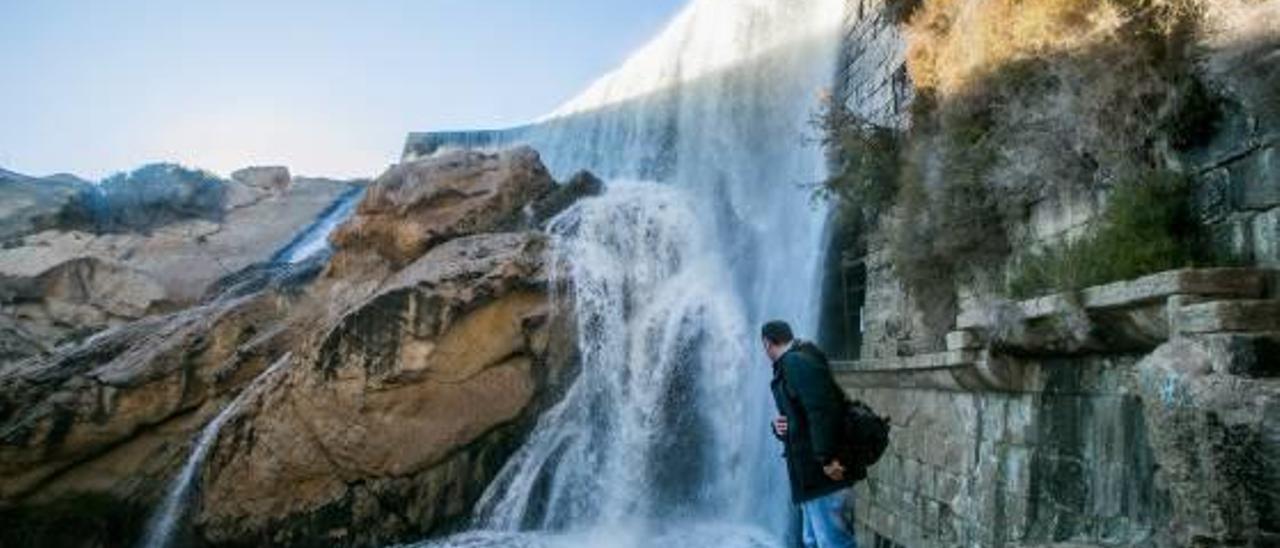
[[164, 522], [298, 261], [660, 332], [315, 238], [663, 438]]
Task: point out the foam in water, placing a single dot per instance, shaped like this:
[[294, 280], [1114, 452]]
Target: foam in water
[[663, 438], [720, 535], [165, 521], [651, 429]]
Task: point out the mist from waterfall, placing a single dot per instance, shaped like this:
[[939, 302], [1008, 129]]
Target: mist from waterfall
[[639, 437], [663, 438]]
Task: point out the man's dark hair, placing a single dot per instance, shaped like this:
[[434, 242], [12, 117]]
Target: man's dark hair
[[777, 332]]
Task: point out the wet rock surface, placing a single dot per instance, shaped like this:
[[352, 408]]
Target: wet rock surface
[[1216, 436]]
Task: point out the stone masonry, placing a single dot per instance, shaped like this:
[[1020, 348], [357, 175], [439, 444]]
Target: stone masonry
[[1044, 438], [1141, 413]]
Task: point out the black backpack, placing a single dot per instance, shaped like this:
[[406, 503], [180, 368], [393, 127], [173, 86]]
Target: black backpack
[[863, 434]]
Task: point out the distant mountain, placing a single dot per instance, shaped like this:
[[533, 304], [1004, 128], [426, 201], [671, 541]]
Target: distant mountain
[[6, 175], [29, 204]]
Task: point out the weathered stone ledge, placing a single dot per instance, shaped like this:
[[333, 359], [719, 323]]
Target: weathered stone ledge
[[1221, 283], [1128, 317], [1221, 307]]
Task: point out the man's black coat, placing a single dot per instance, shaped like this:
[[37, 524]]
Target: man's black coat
[[807, 395]]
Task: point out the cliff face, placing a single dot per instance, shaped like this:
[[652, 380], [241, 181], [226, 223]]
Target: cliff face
[[1135, 410], [391, 425], [405, 374], [391, 421]]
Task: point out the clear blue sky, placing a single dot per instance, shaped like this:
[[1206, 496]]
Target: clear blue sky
[[93, 87]]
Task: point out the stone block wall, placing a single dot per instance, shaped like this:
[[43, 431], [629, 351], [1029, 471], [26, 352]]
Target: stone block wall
[[871, 76], [871, 79], [1238, 198], [1070, 460]]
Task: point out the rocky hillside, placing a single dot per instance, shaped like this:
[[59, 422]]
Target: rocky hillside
[[405, 374], [78, 258]]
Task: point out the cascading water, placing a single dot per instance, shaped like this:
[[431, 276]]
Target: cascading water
[[660, 331], [663, 439], [315, 238], [164, 522]]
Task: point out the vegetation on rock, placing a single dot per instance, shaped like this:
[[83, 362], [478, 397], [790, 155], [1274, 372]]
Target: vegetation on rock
[[146, 198], [1024, 104], [1146, 227]]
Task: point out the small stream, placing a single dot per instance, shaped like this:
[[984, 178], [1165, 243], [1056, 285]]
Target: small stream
[[164, 523]]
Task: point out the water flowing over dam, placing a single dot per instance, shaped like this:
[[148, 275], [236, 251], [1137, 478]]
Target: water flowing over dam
[[663, 438]]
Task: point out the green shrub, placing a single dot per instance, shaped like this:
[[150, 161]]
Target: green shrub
[[1146, 227], [863, 181]]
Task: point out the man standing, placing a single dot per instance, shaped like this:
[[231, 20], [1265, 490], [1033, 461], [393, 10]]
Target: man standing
[[809, 406]]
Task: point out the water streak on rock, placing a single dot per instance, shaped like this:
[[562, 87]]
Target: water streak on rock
[[164, 523]]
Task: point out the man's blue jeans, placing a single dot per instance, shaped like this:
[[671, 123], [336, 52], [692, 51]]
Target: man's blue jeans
[[823, 523]]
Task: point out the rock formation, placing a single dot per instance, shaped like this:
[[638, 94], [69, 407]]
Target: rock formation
[[68, 270], [393, 418], [413, 366], [28, 204], [269, 178], [464, 192]]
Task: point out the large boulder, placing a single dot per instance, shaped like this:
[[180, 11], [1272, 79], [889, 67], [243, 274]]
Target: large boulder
[[112, 414], [390, 425], [1216, 439], [438, 328], [83, 295], [418, 204]]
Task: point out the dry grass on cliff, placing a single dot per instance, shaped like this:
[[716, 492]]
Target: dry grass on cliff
[[952, 43]]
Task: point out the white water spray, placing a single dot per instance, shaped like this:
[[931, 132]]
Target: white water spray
[[663, 439], [165, 521], [660, 332]]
